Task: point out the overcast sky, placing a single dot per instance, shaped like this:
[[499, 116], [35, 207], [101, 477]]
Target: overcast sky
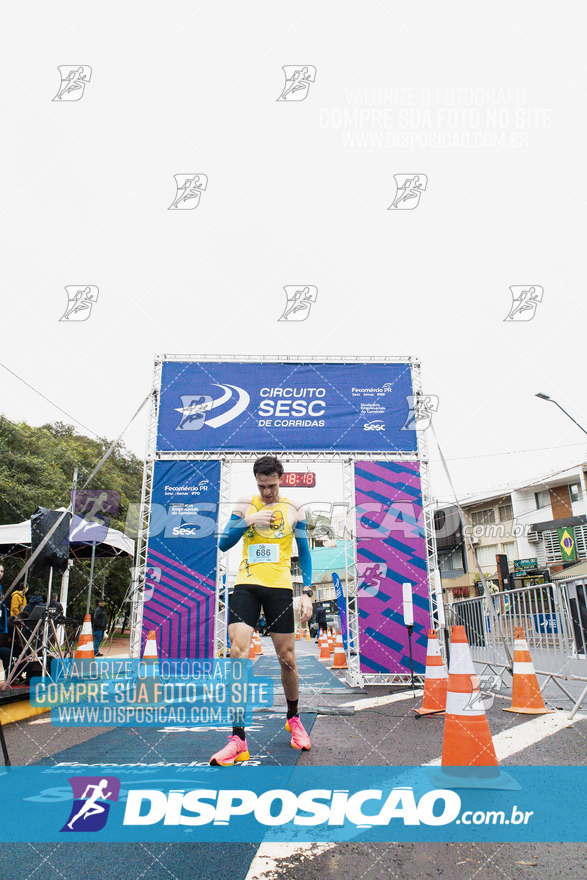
[[491, 99]]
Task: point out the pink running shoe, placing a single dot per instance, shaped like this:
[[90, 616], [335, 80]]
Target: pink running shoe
[[236, 750], [299, 737]]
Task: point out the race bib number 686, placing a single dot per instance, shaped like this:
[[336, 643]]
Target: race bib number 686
[[263, 553]]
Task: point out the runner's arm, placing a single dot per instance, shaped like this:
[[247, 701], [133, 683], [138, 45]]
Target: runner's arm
[[304, 552], [233, 532]]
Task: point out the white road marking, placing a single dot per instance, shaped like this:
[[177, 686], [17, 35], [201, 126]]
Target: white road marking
[[358, 705], [269, 854], [516, 739]]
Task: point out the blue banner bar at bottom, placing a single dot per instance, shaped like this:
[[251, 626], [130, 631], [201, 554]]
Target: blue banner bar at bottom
[[175, 802]]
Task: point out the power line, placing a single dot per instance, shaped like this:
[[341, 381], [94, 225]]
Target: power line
[[48, 401]]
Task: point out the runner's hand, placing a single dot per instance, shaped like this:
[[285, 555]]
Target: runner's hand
[[262, 518], [305, 608]]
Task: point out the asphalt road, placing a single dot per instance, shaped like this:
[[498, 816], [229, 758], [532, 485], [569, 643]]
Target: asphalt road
[[386, 733]]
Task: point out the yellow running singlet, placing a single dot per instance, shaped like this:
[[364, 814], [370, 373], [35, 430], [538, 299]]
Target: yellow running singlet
[[267, 549]]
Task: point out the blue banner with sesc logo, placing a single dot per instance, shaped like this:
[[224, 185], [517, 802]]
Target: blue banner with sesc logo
[[180, 576], [306, 406]]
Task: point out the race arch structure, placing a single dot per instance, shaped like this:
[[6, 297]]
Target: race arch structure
[[208, 412]]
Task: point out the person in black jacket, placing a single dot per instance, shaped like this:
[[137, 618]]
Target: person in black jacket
[[321, 618], [99, 624], [34, 600]]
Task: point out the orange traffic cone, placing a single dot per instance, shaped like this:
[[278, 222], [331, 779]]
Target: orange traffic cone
[[526, 696], [149, 687], [150, 652], [324, 649], [467, 739], [468, 755], [85, 646], [258, 645], [298, 634], [435, 681], [308, 636], [252, 651], [339, 661], [330, 643]]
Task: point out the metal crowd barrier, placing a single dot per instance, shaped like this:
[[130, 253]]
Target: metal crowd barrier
[[554, 621]]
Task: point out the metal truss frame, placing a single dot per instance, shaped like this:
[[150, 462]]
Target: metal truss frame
[[397, 678], [347, 458], [142, 545], [427, 499]]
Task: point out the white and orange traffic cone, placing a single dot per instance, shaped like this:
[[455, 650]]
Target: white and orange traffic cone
[[467, 739], [324, 649], [85, 646], [258, 645], [330, 643], [298, 634], [468, 754], [436, 680], [339, 661], [308, 636], [150, 689], [150, 651], [526, 696], [252, 650]]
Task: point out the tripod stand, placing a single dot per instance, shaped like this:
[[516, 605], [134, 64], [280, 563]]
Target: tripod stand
[[42, 644]]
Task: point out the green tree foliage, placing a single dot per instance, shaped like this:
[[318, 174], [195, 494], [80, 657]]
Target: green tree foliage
[[36, 470]]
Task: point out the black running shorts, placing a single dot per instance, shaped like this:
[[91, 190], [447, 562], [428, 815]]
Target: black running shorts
[[247, 600]]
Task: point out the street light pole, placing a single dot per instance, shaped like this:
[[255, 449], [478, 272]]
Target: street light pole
[[546, 397]]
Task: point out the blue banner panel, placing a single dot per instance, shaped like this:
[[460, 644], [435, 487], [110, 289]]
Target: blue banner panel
[[261, 406], [341, 602], [138, 802], [180, 581]]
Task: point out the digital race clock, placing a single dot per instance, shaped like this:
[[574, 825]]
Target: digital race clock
[[299, 480]]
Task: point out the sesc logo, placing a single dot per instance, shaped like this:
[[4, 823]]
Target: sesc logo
[[188, 530], [377, 425]]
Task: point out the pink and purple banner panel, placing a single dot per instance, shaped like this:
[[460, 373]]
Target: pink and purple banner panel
[[391, 550]]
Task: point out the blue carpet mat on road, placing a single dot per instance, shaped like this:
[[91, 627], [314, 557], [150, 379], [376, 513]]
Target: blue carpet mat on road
[[315, 677], [268, 743], [267, 738]]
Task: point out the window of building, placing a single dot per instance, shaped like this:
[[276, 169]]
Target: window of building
[[552, 546], [483, 517], [451, 561], [506, 512], [509, 549], [542, 499], [486, 555], [575, 492]]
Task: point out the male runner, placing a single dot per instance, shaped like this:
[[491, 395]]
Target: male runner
[[267, 522]]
